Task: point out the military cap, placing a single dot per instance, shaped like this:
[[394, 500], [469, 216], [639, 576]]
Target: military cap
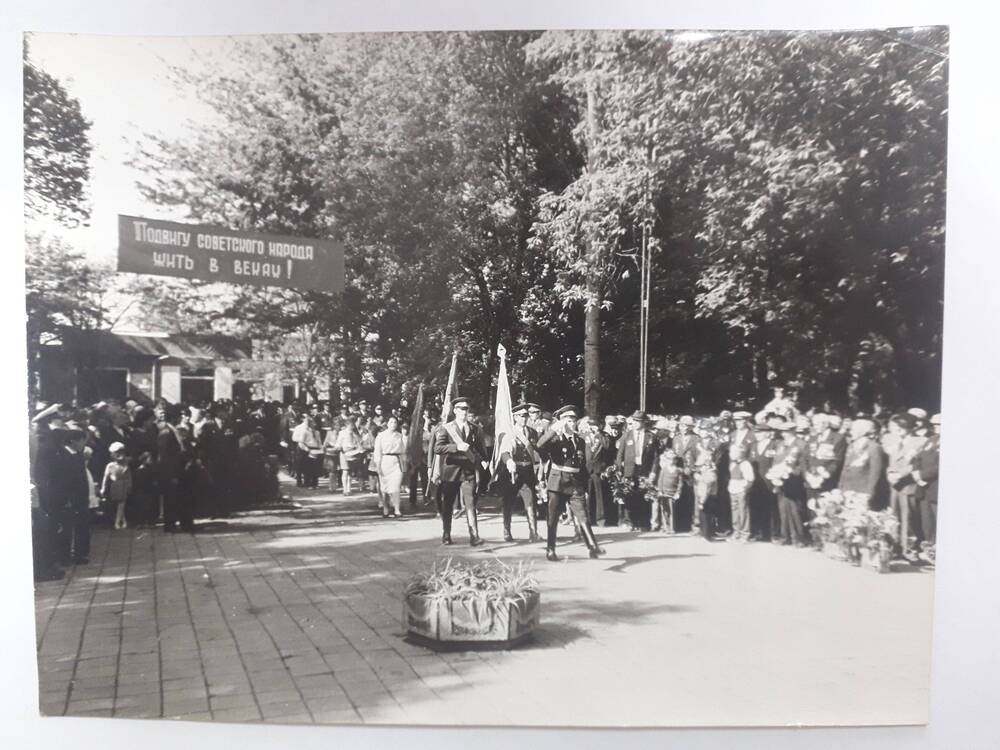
[[687, 421], [936, 419], [741, 415], [917, 412], [460, 401], [566, 411], [520, 408], [534, 407]]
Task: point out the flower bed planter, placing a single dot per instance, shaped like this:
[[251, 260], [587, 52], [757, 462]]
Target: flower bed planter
[[460, 605], [470, 623]]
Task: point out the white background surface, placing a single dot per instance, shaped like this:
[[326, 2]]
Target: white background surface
[[965, 710]]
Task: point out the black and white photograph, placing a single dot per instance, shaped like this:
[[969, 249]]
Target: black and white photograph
[[515, 378]]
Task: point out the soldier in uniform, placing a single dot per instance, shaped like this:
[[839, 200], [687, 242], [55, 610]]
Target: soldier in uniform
[[567, 478], [522, 464], [686, 447], [460, 445]]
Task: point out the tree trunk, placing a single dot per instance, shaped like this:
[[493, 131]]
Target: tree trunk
[[592, 313]]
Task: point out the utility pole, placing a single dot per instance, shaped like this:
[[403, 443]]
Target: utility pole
[[645, 284]]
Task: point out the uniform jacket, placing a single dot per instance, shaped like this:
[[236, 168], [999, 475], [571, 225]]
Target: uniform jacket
[[627, 454], [564, 450], [459, 465], [864, 463], [826, 451], [522, 452], [63, 481]]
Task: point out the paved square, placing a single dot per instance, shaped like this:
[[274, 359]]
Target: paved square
[[294, 616]]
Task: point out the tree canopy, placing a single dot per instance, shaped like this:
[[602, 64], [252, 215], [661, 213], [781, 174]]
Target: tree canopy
[[792, 185]]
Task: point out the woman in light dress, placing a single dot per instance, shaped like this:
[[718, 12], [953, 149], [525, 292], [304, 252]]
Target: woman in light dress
[[389, 458]]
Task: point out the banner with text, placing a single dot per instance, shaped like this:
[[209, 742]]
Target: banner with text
[[195, 251]]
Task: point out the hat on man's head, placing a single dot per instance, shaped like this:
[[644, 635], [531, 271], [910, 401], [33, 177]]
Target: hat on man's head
[[639, 416], [116, 448], [687, 421], [533, 407], [520, 408], [917, 412], [662, 424], [907, 421], [566, 411], [460, 401], [741, 415]]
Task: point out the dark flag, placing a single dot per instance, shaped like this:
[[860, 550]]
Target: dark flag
[[415, 440]]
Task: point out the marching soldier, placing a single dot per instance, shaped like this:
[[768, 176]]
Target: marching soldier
[[460, 444], [567, 478], [522, 463]]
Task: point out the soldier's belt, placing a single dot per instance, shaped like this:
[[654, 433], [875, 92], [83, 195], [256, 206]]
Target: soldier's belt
[[566, 469]]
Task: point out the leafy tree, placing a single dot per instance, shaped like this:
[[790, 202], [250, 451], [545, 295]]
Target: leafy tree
[[56, 148]]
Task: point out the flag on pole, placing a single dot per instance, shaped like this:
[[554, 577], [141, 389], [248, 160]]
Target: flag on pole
[[415, 440], [503, 418], [434, 462]]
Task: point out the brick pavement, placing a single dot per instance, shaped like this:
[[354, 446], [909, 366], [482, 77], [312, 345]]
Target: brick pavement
[[293, 616]]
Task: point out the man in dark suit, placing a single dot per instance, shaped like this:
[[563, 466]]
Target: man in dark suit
[[925, 475], [519, 464], [219, 448], [567, 479], [637, 453], [685, 445], [64, 495], [173, 452], [460, 445], [600, 455]]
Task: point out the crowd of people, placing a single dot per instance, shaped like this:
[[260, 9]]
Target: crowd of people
[[739, 475], [144, 464]]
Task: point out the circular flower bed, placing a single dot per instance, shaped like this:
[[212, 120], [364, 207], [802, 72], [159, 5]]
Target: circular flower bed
[[466, 605]]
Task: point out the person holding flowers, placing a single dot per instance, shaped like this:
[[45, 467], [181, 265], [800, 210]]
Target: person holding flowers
[[785, 476]]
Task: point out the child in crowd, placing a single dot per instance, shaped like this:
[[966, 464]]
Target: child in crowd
[[117, 484], [668, 489]]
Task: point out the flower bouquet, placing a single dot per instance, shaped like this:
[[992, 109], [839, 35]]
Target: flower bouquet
[[460, 604], [778, 474], [620, 486]]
